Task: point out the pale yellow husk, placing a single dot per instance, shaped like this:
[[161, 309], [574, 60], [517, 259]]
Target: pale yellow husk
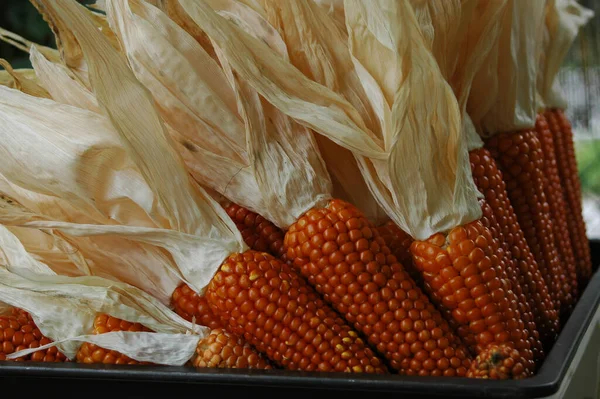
[[24, 83], [216, 124], [23, 44], [563, 21], [318, 48], [503, 97], [428, 201], [64, 309]]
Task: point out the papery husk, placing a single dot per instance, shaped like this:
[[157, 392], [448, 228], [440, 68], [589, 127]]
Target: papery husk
[[64, 309], [109, 252], [275, 80], [24, 45], [461, 35], [439, 201], [22, 82], [563, 21], [503, 97], [427, 199], [60, 82], [131, 110], [335, 9], [318, 48], [224, 111]]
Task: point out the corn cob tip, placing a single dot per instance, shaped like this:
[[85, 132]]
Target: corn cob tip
[[220, 349], [498, 362]]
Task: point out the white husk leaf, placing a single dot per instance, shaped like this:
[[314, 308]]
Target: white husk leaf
[[15, 257], [422, 200], [503, 97], [284, 86], [190, 213], [211, 122], [335, 9], [165, 349], [64, 308], [23, 83], [318, 48], [564, 19], [62, 86]]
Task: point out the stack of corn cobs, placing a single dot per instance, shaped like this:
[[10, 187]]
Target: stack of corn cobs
[[351, 186]]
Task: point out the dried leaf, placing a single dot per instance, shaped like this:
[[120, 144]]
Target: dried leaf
[[23, 83]]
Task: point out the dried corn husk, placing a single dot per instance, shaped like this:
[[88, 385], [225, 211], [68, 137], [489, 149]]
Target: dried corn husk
[[503, 97], [24, 45], [64, 309], [564, 19], [191, 223], [60, 82], [214, 125], [23, 83]]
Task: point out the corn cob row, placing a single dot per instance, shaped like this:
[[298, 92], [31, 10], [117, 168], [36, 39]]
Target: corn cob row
[[498, 362], [489, 180], [519, 156], [398, 241], [342, 255], [193, 307], [569, 179], [90, 353], [258, 233], [18, 332], [220, 349], [260, 298], [464, 269], [555, 196], [507, 271]]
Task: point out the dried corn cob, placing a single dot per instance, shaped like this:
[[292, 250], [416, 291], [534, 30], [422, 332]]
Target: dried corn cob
[[193, 307], [343, 256], [90, 353], [220, 349], [555, 196], [464, 270], [263, 300], [507, 272], [519, 156], [398, 241], [259, 234], [19, 332], [498, 362], [489, 181], [569, 180]]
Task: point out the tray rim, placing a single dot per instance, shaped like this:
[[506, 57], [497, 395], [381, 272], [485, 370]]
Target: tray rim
[[546, 382]]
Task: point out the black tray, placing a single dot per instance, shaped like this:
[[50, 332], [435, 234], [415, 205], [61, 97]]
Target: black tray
[[144, 381]]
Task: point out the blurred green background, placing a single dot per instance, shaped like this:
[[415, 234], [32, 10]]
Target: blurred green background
[[580, 78]]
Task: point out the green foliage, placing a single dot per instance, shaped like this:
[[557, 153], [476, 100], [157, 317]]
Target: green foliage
[[588, 161]]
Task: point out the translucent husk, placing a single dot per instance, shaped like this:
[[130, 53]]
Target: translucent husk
[[420, 199], [24, 83], [563, 21], [503, 96], [318, 48], [64, 309], [24, 45], [216, 125], [180, 218]]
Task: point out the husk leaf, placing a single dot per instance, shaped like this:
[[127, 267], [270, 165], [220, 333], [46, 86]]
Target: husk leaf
[[563, 21], [23, 83], [504, 93]]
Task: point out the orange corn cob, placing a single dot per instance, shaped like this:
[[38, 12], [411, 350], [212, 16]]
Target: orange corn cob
[[343, 256], [499, 363], [464, 271], [569, 180], [193, 307], [262, 299], [555, 196], [221, 349], [90, 353], [258, 233], [519, 156], [398, 241], [507, 272], [489, 181], [18, 332]]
